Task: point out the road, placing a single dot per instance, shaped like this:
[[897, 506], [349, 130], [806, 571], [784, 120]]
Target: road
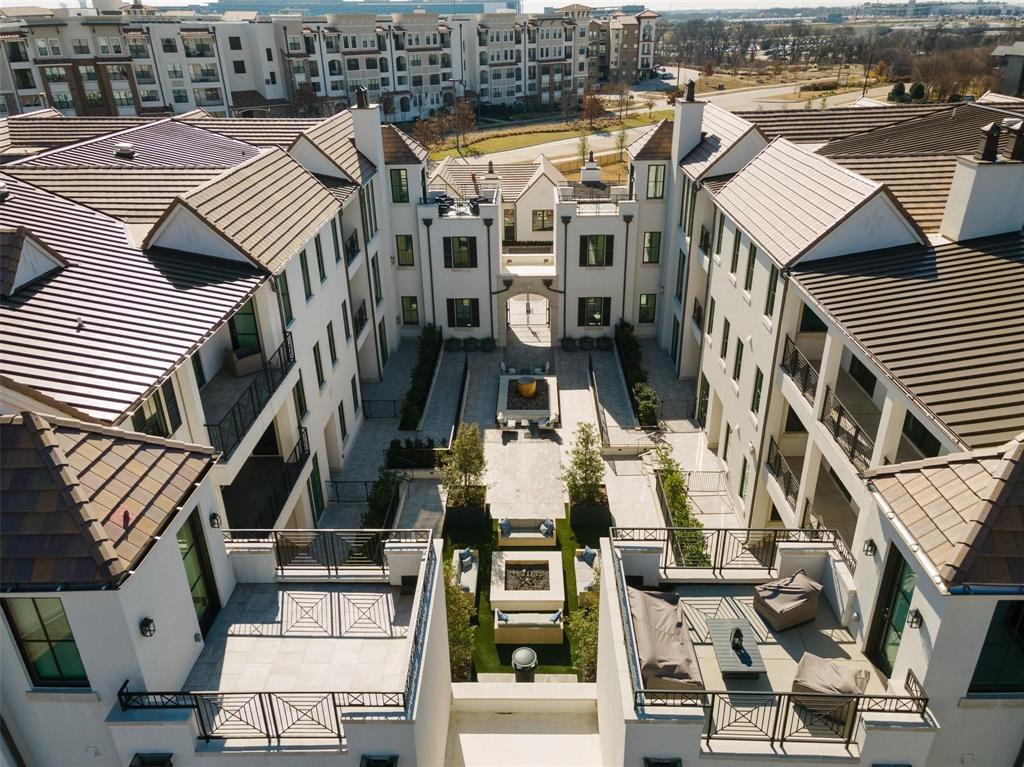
[[736, 101]]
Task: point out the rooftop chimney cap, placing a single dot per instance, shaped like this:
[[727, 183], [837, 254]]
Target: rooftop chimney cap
[[4, 191], [591, 158], [1015, 151], [362, 102], [124, 149], [690, 86], [988, 147], [490, 166]]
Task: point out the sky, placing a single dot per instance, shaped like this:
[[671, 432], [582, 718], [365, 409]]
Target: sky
[[535, 6]]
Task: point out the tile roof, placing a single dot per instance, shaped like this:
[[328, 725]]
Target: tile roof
[[134, 195], [335, 138], [721, 129], [35, 132], [817, 126], [991, 97], [253, 99], [943, 320], [921, 184], [965, 510], [400, 148], [516, 178], [715, 184], [787, 199], [100, 334], [268, 208], [14, 240], [157, 144], [273, 131], [654, 144], [81, 503], [342, 190]]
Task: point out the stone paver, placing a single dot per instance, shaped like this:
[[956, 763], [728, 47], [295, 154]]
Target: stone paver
[[522, 478], [396, 373], [574, 392], [482, 394], [676, 395], [440, 415], [611, 388], [424, 506], [343, 516], [632, 499]]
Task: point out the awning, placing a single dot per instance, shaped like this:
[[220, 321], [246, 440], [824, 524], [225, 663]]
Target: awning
[[133, 32], [309, 32], [10, 37]]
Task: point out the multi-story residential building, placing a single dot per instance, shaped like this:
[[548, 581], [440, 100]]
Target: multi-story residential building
[[622, 46], [1010, 61]]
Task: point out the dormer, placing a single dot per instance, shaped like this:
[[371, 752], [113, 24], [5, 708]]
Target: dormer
[[24, 259]]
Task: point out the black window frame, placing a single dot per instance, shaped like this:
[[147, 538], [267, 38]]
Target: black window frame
[[319, 249], [646, 313], [307, 284], [755, 397], [460, 252], [345, 320], [606, 251], [234, 43], [332, 345], [405, 255], [656, 181], [456, 310], [411, 316], [239, 66], [1015, 644], [399, 185], [652, 248], [378, 293], [769, 301], [19, 640], [354, 384], [748, 277], [284, 299], [734, 263], [589, 316], [737, 361], [546, 222], [318, 364], [299, 398], [724, 349]]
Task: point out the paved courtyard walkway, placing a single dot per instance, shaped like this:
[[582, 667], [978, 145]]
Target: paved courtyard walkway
[[424, 506], [676, 395], [440, 414]]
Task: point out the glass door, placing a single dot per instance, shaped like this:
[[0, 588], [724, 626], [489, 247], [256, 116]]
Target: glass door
[[891, 611], [198, 571], [245, 336], [509, 221]]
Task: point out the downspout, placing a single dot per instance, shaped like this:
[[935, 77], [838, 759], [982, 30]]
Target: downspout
[[427, 222], [488, 222], [704, 324], [348, 291], [768, 399], [565, 271], [628, 218]]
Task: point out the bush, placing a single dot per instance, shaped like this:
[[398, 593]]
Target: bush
[[586, 343], [569, 344], [630, 354], [604, 343], [898, 92], [410, 414], [584, 476], [582, 627], [460, 625], [646, 404], [488, 344], [462, 473], [420, 378], [470, 344], [691, 547], [452, 344], [379, 498], [917, 91]]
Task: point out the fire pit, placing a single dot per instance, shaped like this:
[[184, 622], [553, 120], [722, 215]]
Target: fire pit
[[527, 387], [524, 577]]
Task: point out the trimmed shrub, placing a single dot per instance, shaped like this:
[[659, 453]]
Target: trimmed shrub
[[470, 344], [917, 91], [582, 625], [461, 631], [569, 344], [488, 344], [604, 343], [646, 404], [420, 378], [462, 473], [584, 476], [379, 499], [586, 343], [452, 344], [690, 546]]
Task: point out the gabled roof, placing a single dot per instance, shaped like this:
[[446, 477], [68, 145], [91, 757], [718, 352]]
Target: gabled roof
[[267, 208], [81, 504], [965, 510], [654, 144], [276, 131], [516, 178], [817, 126], [46, 129], [102, 333], [400, 148], [721, 129], [17, 267], [788, 199], [991, 97], [335, 138], [944, 321]]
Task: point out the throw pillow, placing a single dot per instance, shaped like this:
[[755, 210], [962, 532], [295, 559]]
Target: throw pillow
[[544, 529], [555, 617], [502, 616], [505, 527], [466, 564], [466, 553], [588, 556]]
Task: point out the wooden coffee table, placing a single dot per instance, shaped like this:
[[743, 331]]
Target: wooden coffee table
[[747, 663]]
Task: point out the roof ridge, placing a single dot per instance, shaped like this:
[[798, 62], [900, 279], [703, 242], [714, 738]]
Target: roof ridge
[[98, 542], [88, 141]]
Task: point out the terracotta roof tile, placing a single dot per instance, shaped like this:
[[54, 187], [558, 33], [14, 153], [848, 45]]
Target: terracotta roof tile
[[400, 148]]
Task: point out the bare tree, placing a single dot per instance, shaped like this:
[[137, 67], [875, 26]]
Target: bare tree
[[620, 143], [582, 149], [430, 131], [592, 108], [462, 120], [387, 105], [649, 101]]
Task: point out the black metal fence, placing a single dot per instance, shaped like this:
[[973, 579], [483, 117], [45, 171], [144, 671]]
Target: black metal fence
[[382, 408], [797, 367], [226, 434], [328, 551], [278, 493], [778, 468], [848, 434]]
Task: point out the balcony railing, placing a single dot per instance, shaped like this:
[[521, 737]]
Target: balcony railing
[[813, 520], [593, 195], [698, 315], [797, 367], [323, 552], [848, 434], [360, 317], [282, 488], [232, 428], [351, 247], [779, 468]]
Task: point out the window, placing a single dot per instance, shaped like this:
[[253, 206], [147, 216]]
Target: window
[[180, 95], [410, 310], [81, 47], [744, 472], [718, 237], [175, 72], [680, 275], [43, 634], [460, 252], [737, 363], [648, 304], [748, 278], [399, 185], [355, 394], [793, 422], [596, 249], [167, 44], [307, 287], [755, 401], [239, 67], [655, 182], [284, 300], [594, 312], [724, 352], [920, 437], [865, 378], [403, 247], [725, 446], [318, 247], [463, 312], [375, 268], [316, 490], [342, 422], [273, 78], [197, 370], [704, 243], [368, 210], [769, 302], [735, 253], [299, 397], [543, 220], [150, 419], [344, 319], [270, 54], [332, 347], [319, 365], [652, 247], [123, 98], [235, 43], [1000, 666]]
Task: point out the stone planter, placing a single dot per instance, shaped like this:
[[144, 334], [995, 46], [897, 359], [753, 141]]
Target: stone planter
[[587, 518], [467, 524]]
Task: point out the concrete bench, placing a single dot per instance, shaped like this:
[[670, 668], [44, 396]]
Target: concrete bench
[[466, 578], [526, 532], [585, 574], [528, 628]]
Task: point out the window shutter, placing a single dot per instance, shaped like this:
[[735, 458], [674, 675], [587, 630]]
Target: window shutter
[[451, 312], [581, 313], [609, 249], [583, 250], [171, 401], [475, 306], [606, 311], [472, 253], [448, 253]]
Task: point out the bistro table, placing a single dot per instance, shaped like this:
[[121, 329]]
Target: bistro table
[[747, 662]]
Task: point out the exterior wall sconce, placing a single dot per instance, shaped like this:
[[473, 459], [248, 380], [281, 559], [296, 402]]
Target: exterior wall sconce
[[215, 520], [914, 619], [870, 549], [147, 626]]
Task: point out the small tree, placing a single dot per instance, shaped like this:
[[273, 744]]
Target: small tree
[[306, 102], [379, 500], [649, 102], [582, 148], [460, 628], [620, 143], [429, 131], [917, 91], [582, 625], [708, 70], [462, 472], [646, 404], [462, 120], [585, 474], [592, 108], [387, 105]]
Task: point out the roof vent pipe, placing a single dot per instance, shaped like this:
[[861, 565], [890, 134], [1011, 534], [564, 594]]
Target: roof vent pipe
[[362, 102], [124, 149], [988, 147], [4, 191], [690, 86], [1015, 151]]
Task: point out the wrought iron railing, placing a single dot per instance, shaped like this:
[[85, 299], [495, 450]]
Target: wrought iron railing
[[718, 549], [698, 315], [226, 434], [328, 551], [279, 491], [347, 491], [382, 408], [779, 468], [814, 521], [351, 247], [848, 434], [593, 195], [419, 636], [797, 367], [706, 482], [359, 318]]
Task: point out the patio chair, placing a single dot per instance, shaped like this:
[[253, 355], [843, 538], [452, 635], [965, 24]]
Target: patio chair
[[788, 602], [828, 678]]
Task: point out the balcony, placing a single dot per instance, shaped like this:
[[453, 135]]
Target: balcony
[[698, 315], [290, 664], [460, 203], [359, 318], [799, 368], [256, 497], [351, 247], [232, 402], [595, 199], [851, 437], [778, 467]]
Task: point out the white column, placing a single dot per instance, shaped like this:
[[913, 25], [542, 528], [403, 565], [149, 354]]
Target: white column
[[808, 479], [831, 356], [890, 429]]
